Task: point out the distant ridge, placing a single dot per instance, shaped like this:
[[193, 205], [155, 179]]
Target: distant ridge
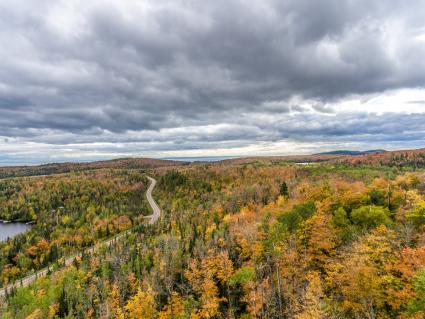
[[414, 158], [56, 168], [352, 153]]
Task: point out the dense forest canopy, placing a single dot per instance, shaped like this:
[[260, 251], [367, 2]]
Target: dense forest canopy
[[57, 168], [70, 211], [236, 239]]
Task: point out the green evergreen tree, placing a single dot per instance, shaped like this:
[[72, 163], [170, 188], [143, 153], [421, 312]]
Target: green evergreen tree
[[284, 189]]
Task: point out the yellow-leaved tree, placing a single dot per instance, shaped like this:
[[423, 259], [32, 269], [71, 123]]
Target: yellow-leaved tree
[[204, 276], [174, 309], [142, 305]]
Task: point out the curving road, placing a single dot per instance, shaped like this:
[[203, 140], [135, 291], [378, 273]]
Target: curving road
[[69, 260], [156, 211]]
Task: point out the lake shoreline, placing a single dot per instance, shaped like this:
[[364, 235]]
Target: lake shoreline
[[26, 222], [10, 229]]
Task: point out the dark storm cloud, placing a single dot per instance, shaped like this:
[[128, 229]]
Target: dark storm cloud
[[131, 72]]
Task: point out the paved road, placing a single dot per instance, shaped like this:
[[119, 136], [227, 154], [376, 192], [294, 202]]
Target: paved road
[[156, 211], [68, 261]]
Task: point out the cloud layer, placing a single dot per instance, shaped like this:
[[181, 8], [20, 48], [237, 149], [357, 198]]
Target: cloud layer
[[92, 79]]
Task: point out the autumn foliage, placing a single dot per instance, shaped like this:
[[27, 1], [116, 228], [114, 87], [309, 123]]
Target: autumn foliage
[[238, 239]]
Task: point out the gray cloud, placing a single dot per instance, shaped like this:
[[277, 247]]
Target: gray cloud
[[186, 75]]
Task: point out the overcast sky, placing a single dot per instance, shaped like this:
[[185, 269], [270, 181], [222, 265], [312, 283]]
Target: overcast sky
[[82, 80]]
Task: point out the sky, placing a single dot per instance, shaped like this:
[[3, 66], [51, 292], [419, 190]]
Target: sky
[[85, 80]]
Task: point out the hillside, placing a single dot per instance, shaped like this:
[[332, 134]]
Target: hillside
[[54, 168], [314, 158], [348, 152], [401, 158], [244, 238], [412, 158]]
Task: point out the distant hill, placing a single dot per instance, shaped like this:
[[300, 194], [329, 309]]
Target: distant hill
[[351, 153], [412, 158], [402, 158], [312, 158], [56, 168]]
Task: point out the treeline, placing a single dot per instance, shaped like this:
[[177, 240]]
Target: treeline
[[411, 158], [60, 168]]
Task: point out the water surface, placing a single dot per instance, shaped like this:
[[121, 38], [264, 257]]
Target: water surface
[[12, 229]]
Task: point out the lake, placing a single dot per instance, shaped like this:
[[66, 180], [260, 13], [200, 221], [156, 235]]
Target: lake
[[12, 229]]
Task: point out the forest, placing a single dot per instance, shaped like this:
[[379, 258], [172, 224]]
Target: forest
[[259, 238], [70, 211]]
